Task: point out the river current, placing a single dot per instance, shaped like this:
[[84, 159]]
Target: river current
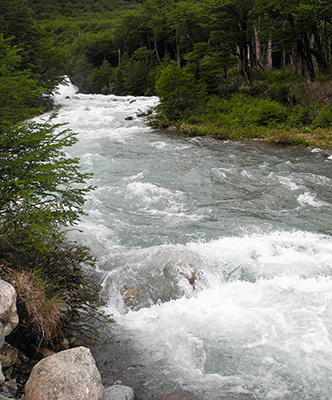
[[215, 257]]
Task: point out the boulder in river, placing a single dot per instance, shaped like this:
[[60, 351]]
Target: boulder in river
[[70, 374]]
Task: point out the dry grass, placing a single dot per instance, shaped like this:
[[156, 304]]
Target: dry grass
[[40, 314]]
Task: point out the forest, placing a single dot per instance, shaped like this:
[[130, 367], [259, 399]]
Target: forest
[[272, 57], [231, 69]]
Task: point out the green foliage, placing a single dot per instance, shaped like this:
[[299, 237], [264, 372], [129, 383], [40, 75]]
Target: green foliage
[[19, 92], [35, 172], [80, 73], [300, 116], [244, 111], [177, 91], [42, 192], [99, 79], [135, 76], [324, 118]]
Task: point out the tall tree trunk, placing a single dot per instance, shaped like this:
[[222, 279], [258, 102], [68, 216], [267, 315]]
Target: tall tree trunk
[[319, 52], [244, 63], [178, 56], [307, 56], [257, 45], [269, 55], [303, 49], [157, 52]]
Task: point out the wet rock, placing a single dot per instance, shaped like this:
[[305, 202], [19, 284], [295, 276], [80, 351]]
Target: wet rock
[[182, 269], [129, 118], [119, 392], [172, 396], [172, 128], [2, 377], [23, 357], [131, 296], [70, 374], [2, 335], [64, 344], [11, 386], [8, 312], [8, 356], [6, 396]]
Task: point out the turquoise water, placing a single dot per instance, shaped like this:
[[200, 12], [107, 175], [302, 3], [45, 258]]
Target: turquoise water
[[215, 257]]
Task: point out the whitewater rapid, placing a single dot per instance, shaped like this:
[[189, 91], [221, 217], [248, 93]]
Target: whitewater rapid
[[215, 257]]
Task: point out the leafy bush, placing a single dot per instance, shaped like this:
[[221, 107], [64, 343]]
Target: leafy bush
[[268, 113], [42, 192], [178, 93], [300, 116]]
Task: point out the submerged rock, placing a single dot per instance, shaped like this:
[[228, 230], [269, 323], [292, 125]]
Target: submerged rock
[[68, 375], [119, 392], [8, 312]]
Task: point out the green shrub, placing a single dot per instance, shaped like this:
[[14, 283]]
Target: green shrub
[[323, 119], [178, 93], [268, 113], [300, 116]]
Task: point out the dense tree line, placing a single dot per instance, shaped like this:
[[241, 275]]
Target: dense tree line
[[275, 51], [209, 36]]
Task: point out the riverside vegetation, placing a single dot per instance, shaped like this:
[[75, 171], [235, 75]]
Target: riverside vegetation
[[231, 69]]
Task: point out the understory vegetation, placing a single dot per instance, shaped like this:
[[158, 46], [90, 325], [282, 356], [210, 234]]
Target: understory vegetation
[[231, 69]]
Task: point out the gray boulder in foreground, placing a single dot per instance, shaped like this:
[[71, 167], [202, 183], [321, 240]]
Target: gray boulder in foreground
[[8, 312], [119, 392], [68, 375]]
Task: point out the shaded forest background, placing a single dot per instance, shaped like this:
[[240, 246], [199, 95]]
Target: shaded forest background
[[272, 50]]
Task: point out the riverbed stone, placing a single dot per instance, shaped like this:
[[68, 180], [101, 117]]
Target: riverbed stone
[[8, 311], [2, 335], [68, 375], [2, 377], [119, 392], [172, 396], [5, 396], [8, 356], [11, 386]]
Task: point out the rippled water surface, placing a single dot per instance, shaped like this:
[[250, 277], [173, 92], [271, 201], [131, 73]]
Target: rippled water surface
[[215, 257]]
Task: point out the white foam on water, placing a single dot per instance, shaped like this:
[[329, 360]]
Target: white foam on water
[[265, 331], [159, 145], [101, 116], [148, 195], [309, 199], [140, 175], [247, 174], [288, 182]]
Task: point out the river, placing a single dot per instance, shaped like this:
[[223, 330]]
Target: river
[[215, 257]]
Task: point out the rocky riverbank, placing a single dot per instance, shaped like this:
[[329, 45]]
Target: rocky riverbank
[[69, 374]]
